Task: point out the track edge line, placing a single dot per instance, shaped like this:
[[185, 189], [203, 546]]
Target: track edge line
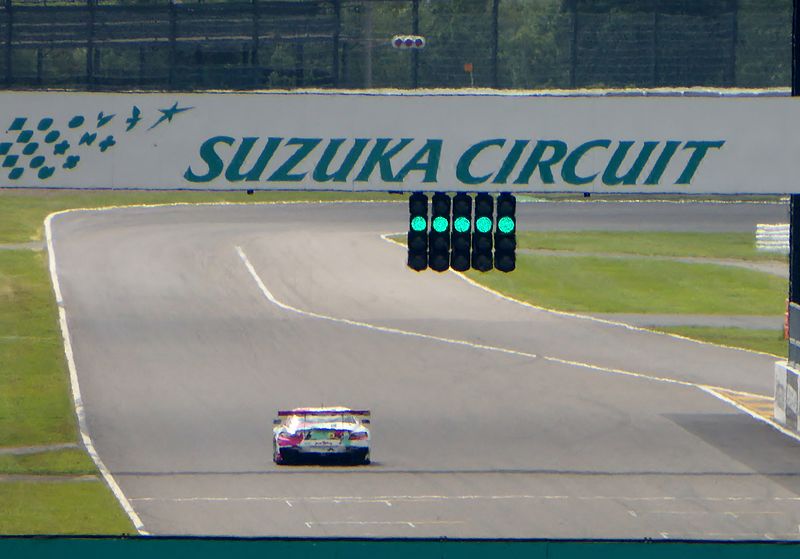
[[74, 385]]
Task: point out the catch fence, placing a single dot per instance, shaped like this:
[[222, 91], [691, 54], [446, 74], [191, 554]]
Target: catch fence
[[520, 44]]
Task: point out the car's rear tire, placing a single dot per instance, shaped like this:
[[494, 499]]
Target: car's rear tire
[[361, 457], [283, 457]]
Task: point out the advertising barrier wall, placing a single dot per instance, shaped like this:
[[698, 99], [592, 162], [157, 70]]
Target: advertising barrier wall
[[403, 142], [201, 548]]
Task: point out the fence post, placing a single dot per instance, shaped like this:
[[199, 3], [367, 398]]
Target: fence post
[[337, 13], [9, 58], [90, 5], [656, 21], [173, 31], [255, 65], [731, 81], [142, 59], [495, 42], [573, 48], [794, 199], [367, 32], [415, 52], [299, 63]]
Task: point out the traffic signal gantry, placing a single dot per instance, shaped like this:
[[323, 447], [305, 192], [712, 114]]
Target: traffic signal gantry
[[453, 239]]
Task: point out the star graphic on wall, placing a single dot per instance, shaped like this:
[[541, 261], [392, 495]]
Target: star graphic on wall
[[167, 114]]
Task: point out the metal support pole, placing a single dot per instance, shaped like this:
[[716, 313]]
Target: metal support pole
[[656, 21], [337, 14], [495, 42], [573, 47], [142, 61], [299, 65], [173, 31], [367, 11], [254, 62], [90, 5], [9, 36], [794, 205], [415, 52], [794, 199], [39, 65], [731, 77]]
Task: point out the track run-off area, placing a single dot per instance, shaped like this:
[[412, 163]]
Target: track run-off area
[[189, 326]]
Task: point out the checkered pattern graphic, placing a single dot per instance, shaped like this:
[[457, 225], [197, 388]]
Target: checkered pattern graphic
[[40, 148]]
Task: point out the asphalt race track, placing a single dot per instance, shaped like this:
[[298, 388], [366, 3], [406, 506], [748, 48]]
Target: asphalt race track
[[490, 419]]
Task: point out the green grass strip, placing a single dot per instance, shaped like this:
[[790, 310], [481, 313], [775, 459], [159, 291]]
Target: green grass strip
[[22, 213], [69, 507], [740, 246], [71, 461], [608, 285], [35, 402], [767, 341]]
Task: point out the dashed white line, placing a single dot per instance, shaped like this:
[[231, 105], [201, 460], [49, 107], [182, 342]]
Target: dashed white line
[[409, 523]]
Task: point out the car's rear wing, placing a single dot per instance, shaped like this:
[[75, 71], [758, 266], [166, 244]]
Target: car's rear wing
[[361, 413]]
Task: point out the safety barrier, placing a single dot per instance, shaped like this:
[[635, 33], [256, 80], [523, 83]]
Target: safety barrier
[[786, 396], [772, 237]]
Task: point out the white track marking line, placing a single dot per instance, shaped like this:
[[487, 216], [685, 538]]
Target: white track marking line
[[271, 298], [578, 364], [585, 317], [76, 391]]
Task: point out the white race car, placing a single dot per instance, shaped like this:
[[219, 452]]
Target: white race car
[[306, 433]]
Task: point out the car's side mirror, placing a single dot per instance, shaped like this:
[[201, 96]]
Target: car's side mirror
[[365, 421], [276, 421]]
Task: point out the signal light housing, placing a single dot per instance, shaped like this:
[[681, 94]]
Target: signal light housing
[[418, 232], [461, 237], [439, 236], [482, 234], [505, 235], [408, 42]]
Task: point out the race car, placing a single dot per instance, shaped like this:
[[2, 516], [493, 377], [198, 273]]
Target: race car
[[316, 433]]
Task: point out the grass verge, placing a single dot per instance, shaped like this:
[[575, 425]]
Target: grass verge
[[35, 405], [36, 409], [767, 341], [739, 246], [608, 285], [68, 507], [71, 461], [22, 213]]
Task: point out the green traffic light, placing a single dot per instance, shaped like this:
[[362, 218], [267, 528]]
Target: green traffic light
[[419, 223], [440, 224], [483, 224], [506, 224], [461, 224]]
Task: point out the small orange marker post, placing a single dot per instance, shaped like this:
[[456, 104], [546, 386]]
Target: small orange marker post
[[469, 70]]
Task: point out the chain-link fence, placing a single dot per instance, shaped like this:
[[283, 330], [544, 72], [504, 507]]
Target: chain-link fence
[[258, 44]]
